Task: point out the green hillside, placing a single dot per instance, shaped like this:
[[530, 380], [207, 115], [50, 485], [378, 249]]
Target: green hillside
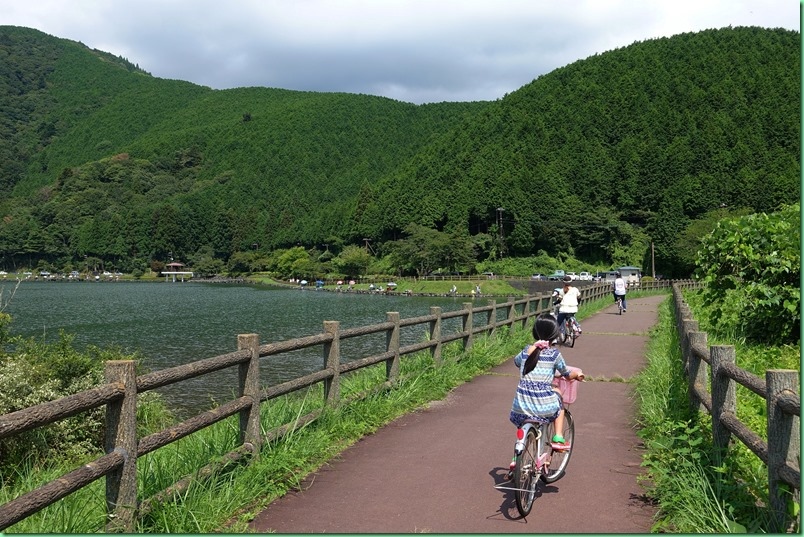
[[646, 138], [595, 160]]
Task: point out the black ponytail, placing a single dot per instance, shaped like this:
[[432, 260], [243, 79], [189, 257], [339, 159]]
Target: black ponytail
[[530, 363]]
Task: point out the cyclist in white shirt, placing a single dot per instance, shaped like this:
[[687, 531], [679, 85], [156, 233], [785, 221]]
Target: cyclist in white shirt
[[570, 298], [619, 288]]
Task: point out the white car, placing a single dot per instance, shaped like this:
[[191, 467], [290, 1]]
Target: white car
[[571, 275], [585, 276]]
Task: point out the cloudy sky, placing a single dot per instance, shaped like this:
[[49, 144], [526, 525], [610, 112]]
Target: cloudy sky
[[416, 51]]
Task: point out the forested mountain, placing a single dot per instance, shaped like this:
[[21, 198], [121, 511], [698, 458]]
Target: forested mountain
[[597, 159], [643, 139]]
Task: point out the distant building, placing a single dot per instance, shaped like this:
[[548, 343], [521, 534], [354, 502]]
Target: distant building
[[175, 269]]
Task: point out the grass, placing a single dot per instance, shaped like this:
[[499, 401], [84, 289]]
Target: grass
[[694, 493]]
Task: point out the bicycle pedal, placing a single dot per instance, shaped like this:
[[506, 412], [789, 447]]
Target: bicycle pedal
[[560, 447]]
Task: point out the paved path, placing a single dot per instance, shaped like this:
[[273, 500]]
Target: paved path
[[434, 471]]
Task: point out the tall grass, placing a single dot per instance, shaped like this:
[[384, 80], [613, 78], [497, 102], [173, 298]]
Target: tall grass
[[694, 493]]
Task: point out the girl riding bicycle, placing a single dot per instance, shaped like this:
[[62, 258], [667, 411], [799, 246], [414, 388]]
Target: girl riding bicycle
[[536, 399]]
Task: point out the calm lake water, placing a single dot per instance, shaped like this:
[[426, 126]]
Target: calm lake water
[[171, 324]]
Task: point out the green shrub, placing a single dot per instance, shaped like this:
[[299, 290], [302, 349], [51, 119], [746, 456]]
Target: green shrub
[[752, 269], [38, 372]]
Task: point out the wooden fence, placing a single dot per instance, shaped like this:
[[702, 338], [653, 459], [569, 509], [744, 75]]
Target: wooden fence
[[119, 397], [713, 388]]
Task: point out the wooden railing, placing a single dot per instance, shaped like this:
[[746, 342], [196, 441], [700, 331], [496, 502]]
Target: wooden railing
[[713, 388], [119, 397]]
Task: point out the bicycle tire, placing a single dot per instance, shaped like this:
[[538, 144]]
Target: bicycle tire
[[569, 330], [525, 477], [620, 305], [560, 459]]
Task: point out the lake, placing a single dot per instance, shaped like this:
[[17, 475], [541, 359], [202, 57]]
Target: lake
[[171, 324]]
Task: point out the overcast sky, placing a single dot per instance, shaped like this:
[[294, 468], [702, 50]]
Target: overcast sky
[[416, 51]]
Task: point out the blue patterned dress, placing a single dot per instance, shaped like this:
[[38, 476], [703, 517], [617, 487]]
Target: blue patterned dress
[[535, 398]]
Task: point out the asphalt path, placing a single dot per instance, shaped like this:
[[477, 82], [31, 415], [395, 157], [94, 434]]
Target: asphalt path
[[435, 470]]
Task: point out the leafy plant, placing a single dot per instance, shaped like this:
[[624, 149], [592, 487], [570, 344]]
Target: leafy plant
[[36, 372], [752, 268]]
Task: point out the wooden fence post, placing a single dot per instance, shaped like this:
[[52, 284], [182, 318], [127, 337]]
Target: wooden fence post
[[724, 397], [435, 334], [392, 344], [784, 444], [249, 379], [492, 318], [545, 305], [511, 312], [697, 367], [687, 325], [525, 312], [468, 326], [121, 435], [332, 360]]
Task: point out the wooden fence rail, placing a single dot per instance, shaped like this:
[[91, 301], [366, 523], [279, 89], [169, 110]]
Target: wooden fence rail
[[713, 389], [119, 396]]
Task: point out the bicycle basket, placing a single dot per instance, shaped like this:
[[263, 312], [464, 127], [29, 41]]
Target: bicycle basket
[[569, 388]]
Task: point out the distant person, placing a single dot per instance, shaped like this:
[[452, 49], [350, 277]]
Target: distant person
[[453, 290], [570, 299], [619, 288]]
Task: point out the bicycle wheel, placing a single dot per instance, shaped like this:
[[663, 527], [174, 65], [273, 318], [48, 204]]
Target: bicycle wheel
[[570, 332], [620, 305], [559, 459], [525, 475]]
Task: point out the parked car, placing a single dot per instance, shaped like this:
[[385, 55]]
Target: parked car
[[539, 277], [557, 275], [585, 276], [572, 275]]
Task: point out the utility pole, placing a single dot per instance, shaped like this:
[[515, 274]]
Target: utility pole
[[652, 261], [500, 229]]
